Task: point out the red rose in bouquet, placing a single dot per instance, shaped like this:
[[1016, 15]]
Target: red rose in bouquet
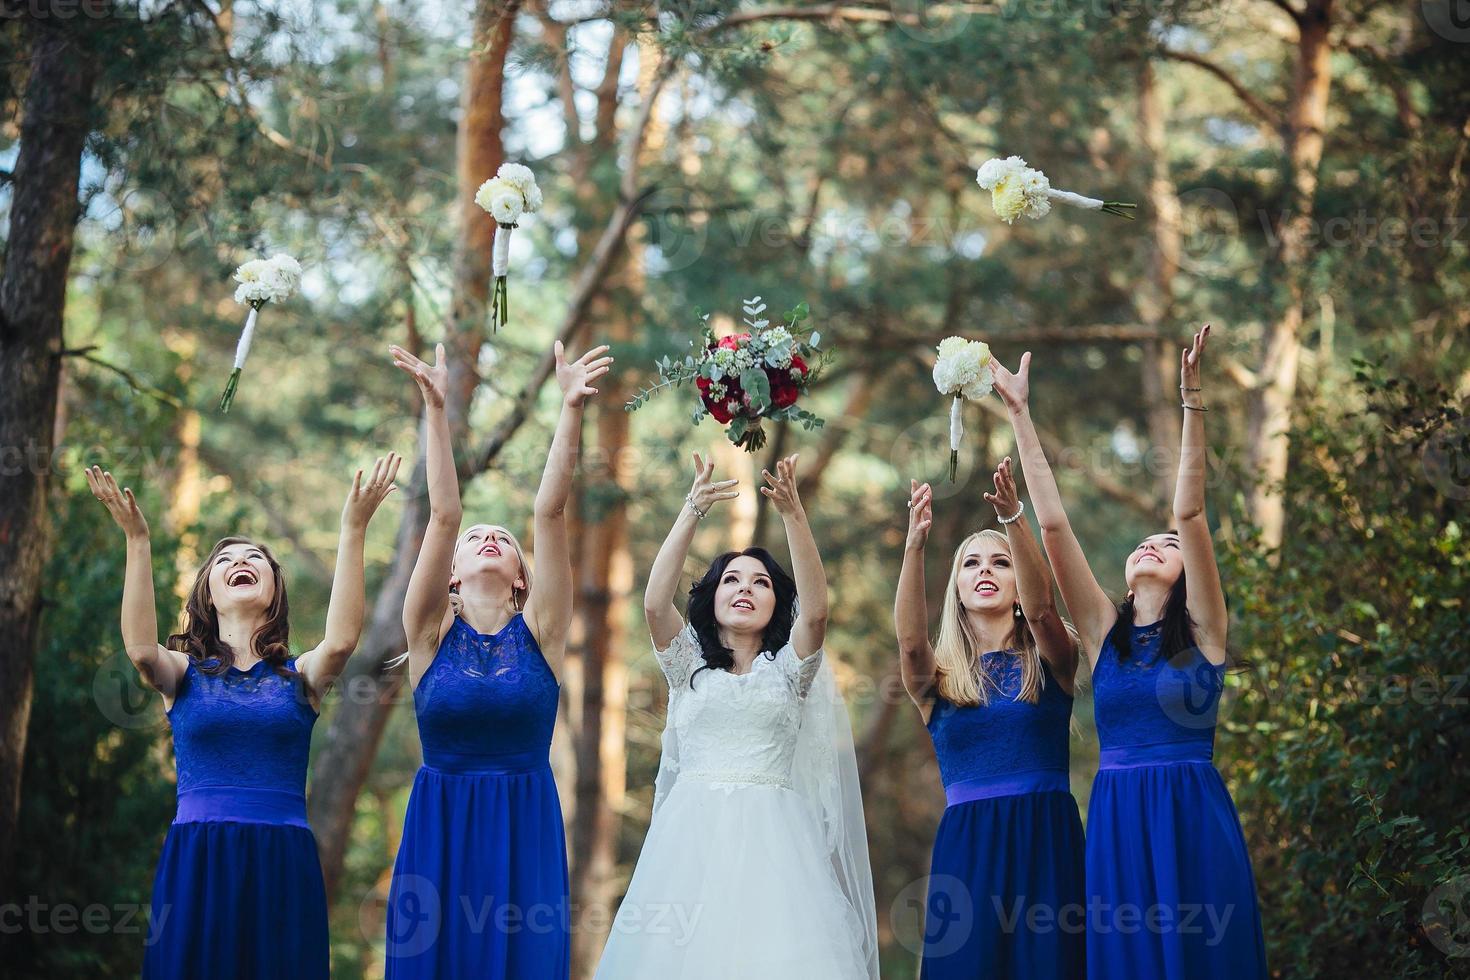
[[785, 388], [749, 378]]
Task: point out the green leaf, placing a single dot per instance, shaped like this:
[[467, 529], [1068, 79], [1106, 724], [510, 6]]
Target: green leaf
[[758, 387]]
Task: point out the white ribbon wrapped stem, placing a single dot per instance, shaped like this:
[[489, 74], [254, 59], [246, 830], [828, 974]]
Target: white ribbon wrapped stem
[[242, 349], [1076, 200], [500, 257]]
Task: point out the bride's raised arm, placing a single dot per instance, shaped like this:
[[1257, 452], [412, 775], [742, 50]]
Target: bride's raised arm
[[664, 621], [810, 628]]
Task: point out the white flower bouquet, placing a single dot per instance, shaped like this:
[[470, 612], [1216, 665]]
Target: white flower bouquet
[[507, 196], [961, 371], [261, 281], [1017, 189]]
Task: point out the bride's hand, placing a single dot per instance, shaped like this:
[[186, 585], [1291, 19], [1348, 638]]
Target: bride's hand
[[705, 492]]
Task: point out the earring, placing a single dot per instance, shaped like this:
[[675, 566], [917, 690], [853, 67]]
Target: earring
[[1018, 610]]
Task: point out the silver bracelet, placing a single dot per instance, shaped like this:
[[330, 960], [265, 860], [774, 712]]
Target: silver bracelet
[[1020, 509], [701, 514]]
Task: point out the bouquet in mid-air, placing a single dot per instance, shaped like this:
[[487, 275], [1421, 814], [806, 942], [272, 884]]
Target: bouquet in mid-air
[[507, 196], [962, 371], [261, 281], [747, 378], [1017, 189]]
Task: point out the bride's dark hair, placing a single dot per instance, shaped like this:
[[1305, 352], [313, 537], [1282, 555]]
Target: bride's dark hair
[[777, 633]]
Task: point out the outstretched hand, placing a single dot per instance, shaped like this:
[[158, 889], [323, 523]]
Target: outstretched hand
[[781, 488], [433, 381], [576, 377], [363, 499], [705, 492], [1006, 500], [121, 504], [921, 513], [1189, 367], [1013, 389]]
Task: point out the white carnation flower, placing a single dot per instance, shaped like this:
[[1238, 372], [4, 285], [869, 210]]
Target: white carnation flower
[[267, 280], [502, 199], [517, 175], [963, 368]]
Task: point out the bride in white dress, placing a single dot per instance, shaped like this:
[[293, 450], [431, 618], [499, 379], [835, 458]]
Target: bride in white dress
[[756, 862]]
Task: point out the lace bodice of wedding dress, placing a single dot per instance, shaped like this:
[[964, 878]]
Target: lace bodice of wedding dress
[[736, 728]]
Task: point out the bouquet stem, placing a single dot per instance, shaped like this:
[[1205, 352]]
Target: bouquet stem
[[956, 433], [228, 397], [242, 351], [499, 307], [1120, 208], [500, 267]]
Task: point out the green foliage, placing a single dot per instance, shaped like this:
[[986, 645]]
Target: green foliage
[[1351, 734]]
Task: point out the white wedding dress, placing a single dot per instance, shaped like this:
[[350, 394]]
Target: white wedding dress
[[755, 866]]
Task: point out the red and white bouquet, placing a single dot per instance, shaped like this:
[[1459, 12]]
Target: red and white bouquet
[[745, 379]]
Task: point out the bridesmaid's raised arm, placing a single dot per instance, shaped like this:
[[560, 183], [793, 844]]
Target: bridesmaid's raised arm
[[1092, 612], [427, 599], [1033, 580], [664, 621], [548, 610], [321, 666], [160, 667], [1204, 595]]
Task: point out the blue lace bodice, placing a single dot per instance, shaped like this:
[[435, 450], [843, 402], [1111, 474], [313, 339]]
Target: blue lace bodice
[[243, 728], [1148, 701], [486, 696], [1006, 736]]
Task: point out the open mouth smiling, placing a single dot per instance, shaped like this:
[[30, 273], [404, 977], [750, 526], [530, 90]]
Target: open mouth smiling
[[242, 576], [745, 604]]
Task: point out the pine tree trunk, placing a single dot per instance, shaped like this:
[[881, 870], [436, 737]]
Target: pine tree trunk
[[1270, 412], [43, 211]]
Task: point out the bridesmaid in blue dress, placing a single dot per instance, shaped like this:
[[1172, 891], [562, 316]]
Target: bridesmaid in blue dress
[[480, 882], [238, 892], [1170, 888], [1005, 882]]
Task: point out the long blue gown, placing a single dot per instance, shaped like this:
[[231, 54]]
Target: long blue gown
[[480, 883], [1169, 882], [1006, 887], [238, 894]]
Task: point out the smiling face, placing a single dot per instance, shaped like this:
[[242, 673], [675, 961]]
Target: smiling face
[[985, 580], [241, 578], [488, 557], [1156, 559], [745, 597]]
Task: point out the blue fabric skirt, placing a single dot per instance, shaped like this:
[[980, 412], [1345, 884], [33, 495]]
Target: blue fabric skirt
[[1006, 890], [238, 901], [480, 883], [1169, 882]]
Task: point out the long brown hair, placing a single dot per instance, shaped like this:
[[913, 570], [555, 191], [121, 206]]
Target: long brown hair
[[199, 637]]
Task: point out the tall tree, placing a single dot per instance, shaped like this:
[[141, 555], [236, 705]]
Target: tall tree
[[57, 116]]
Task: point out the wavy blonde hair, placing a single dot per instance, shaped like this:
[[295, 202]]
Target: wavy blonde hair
[[961, 678]]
